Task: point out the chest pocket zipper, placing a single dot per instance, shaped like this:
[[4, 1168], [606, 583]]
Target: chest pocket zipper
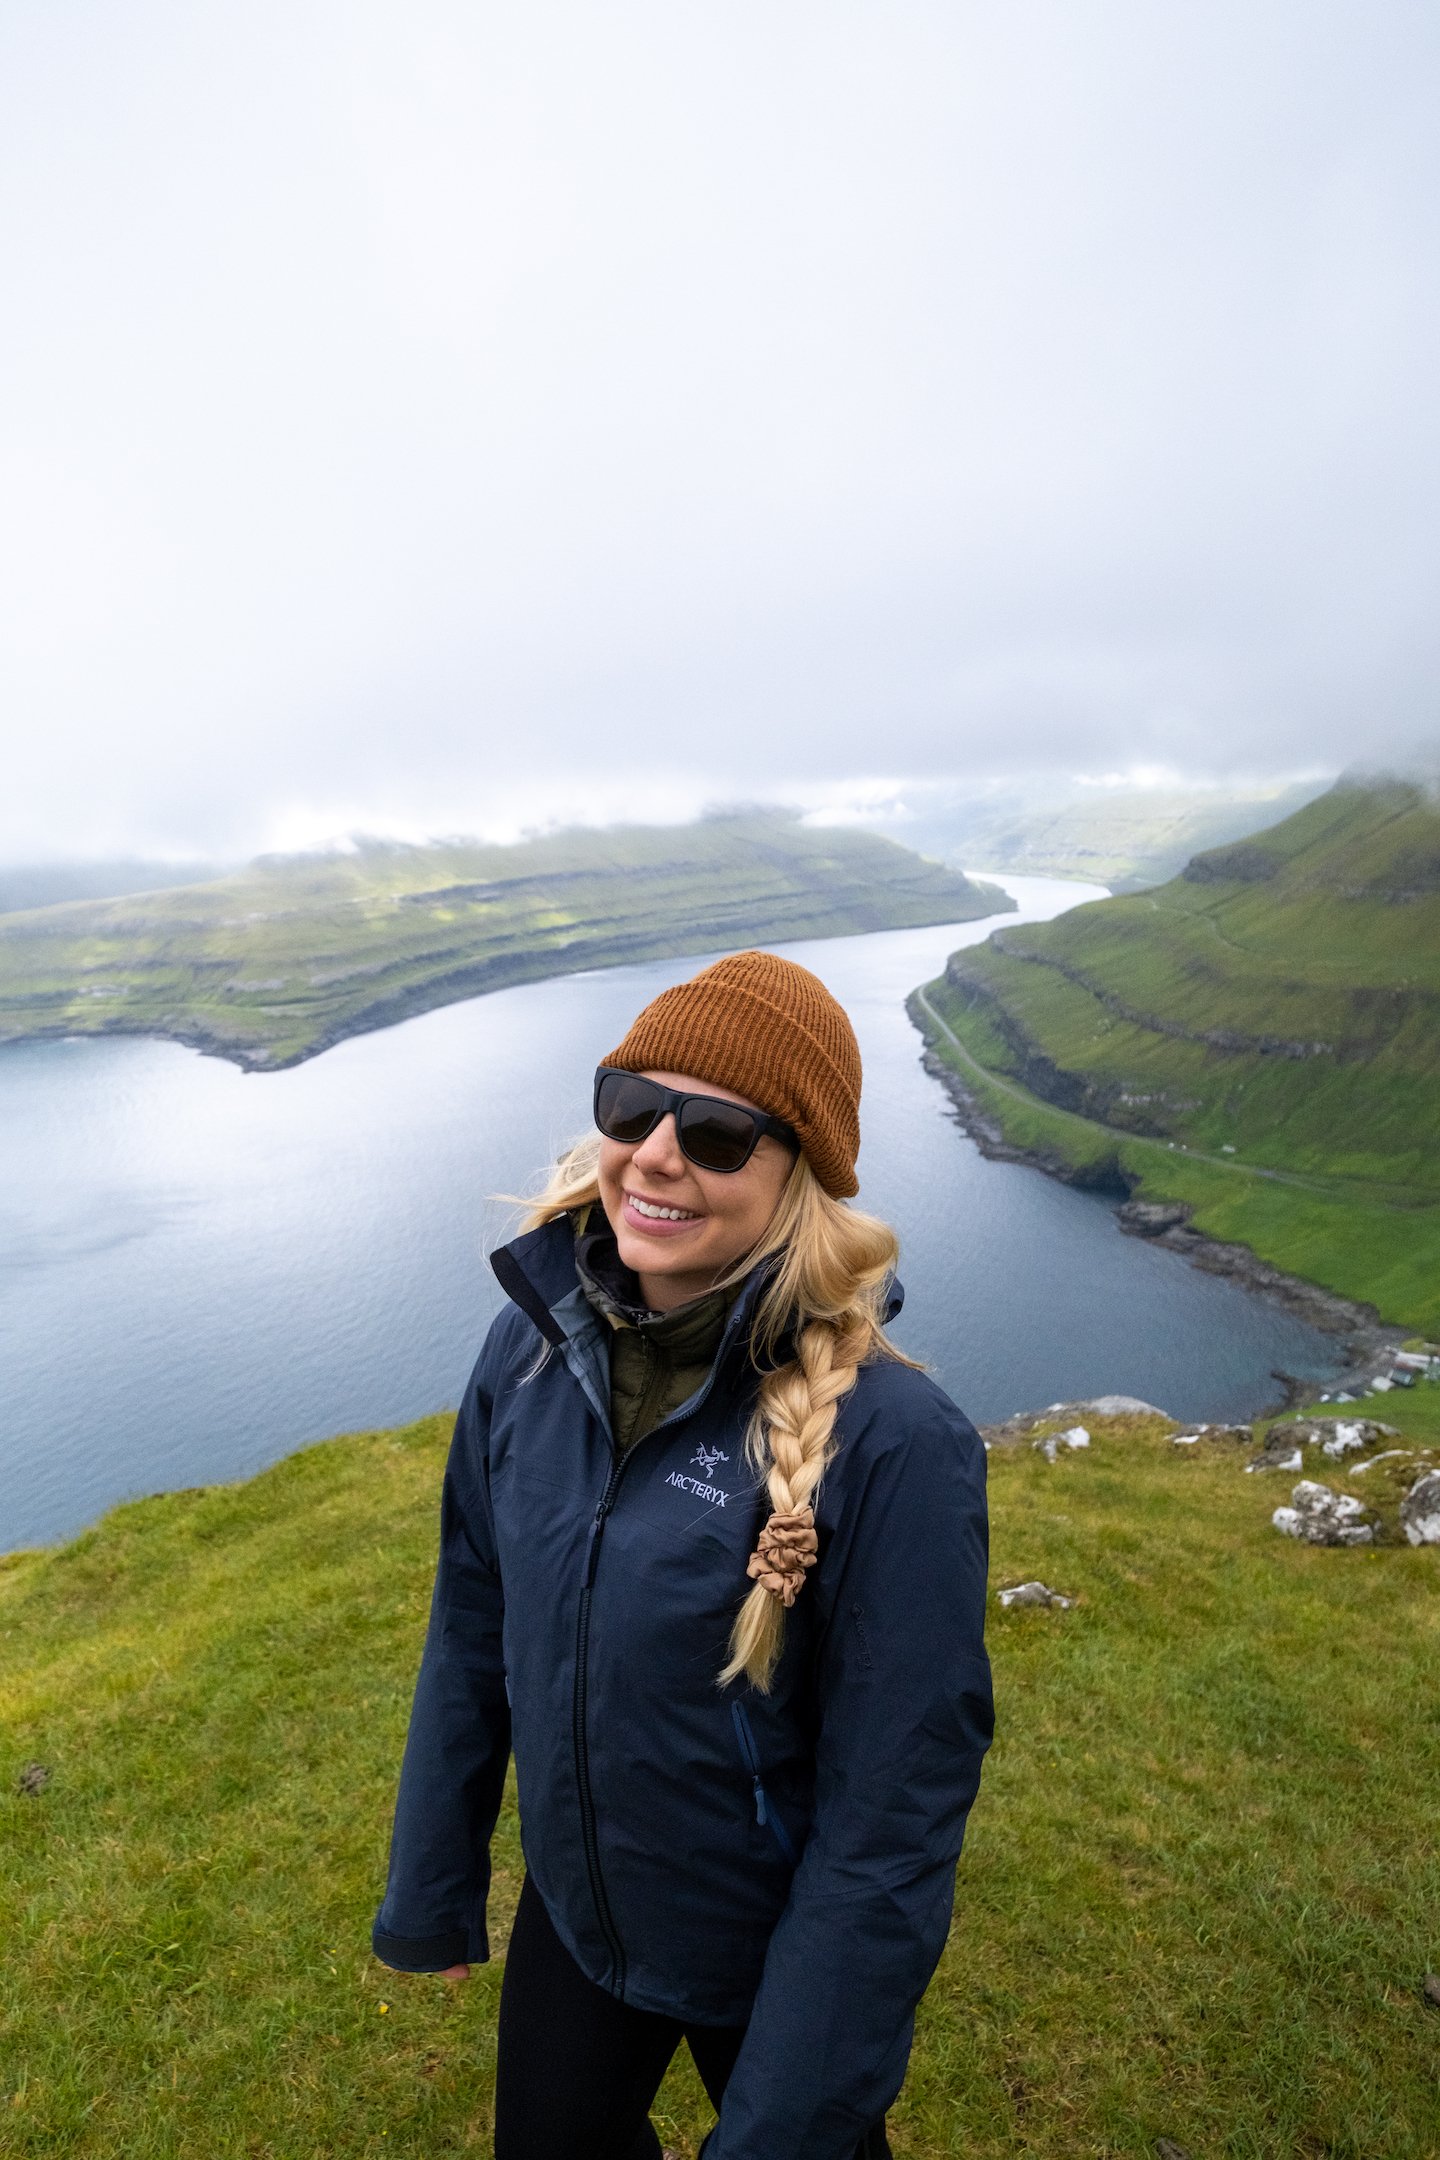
[[765, 1815]]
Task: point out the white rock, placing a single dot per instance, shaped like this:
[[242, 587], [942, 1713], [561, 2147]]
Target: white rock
[[1033, 1593], [1319, 1516], [1420, 1510], [1381, 1386], [1358, 1469], [1348, 1440], [1293, 1461], [1185, 1439], [1051, 1444]]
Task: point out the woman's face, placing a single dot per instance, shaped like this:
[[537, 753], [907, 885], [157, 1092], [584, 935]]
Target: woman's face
[[709, 1218]]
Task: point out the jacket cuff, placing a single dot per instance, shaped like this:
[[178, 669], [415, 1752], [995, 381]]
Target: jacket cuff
[[429, 1953]]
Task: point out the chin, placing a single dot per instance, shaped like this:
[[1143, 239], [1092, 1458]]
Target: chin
[[647, 1256]]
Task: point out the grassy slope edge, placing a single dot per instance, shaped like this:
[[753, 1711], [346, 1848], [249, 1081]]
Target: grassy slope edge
[[1259, 1039], [277, 962], [1197, 1901]]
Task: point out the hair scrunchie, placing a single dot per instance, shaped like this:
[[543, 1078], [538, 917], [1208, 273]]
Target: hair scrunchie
[[787, 1546]]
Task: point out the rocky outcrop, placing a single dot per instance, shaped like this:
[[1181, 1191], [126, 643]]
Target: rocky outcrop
[[1244, 864], [1335, 1437], [1050, 1444], [1278, 1454], [1013, 1430], [1318, 1516], [1152, 1218], [1420, 1510]]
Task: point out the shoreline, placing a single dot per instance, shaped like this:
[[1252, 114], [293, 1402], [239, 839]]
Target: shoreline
[[479, 976], [1366, 1339]]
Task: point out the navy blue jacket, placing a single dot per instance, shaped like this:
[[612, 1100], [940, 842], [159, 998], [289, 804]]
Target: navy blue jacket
[[715, 1854]]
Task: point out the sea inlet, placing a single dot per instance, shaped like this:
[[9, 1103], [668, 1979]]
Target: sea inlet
[[201, 1270]]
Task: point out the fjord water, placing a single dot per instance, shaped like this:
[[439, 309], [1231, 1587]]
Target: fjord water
[[202, 1269]]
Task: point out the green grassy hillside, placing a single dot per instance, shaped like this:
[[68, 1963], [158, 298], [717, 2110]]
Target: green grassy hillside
[[1198, 1900], [277, 962], [1266, 1026]]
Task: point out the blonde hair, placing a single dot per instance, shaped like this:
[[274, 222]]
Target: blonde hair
[[827, 1292]]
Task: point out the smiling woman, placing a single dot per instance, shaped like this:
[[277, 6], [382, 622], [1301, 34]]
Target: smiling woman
[[680, 1216], [742, 1805]]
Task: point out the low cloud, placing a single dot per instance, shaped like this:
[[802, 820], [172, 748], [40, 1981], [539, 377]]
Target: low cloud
[[478, 420]]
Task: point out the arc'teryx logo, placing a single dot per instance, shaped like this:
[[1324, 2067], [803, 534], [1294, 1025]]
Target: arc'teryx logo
[[706, 1459]]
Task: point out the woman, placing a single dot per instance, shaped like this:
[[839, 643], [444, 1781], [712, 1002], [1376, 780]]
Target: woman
[[712, 1558]]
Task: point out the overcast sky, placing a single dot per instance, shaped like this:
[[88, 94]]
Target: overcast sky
[[447, 416]]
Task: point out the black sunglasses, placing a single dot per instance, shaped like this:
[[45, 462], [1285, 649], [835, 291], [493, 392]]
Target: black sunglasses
[[715, 1135]]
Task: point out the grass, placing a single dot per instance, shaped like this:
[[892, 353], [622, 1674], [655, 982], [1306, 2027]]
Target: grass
[[1198, 1898], [277, 962], [1260, 1039]]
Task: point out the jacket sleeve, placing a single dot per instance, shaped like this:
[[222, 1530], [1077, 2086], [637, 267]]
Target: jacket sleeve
[[453, 1774], [905, 1718]]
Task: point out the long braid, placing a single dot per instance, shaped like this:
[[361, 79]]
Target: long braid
[[791, 1438]]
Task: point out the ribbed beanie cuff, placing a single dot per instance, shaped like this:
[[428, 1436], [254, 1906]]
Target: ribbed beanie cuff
[[770, 1030]]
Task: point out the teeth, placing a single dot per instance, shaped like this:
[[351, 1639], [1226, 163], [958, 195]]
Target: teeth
[[661, 1214]]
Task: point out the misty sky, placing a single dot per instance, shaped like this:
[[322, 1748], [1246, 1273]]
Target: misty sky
[[446, 416]]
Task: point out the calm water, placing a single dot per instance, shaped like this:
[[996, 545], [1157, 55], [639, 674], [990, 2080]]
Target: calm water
[[202, 1269]]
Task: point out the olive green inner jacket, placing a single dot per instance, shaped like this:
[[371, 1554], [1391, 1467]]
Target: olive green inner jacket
[[657, 1360]]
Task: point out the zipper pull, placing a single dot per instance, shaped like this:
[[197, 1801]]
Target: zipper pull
[[759, 1803], [592, 1550]]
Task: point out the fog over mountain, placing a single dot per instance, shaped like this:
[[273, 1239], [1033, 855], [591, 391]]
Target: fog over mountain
[[451, 418]]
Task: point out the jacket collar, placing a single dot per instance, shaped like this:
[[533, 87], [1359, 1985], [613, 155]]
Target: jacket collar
[[537, 1272]]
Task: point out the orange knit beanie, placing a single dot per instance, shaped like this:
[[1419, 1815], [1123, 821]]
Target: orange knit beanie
[[770, 1030]]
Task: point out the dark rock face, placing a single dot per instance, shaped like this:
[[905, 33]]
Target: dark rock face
[[1151, 1218], [1244, 864]]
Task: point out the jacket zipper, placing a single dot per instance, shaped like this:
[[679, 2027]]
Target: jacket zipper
[[580, 1734], [589, 1830], [764, 1813]]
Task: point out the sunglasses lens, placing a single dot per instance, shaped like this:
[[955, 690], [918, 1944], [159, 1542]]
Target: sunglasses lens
[[716, 1135], [626, 1106]]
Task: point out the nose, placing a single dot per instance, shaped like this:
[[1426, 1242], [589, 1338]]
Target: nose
[[659, 1152]]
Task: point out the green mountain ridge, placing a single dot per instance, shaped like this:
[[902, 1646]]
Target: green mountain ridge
[[276, 962], [1275, 1009]]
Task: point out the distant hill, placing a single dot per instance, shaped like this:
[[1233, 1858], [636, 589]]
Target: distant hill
[[1127, 838], [1268, 1026], [278, 961], [35, 885]]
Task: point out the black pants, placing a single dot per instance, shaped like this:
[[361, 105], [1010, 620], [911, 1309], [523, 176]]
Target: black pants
[[576, 2070]]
